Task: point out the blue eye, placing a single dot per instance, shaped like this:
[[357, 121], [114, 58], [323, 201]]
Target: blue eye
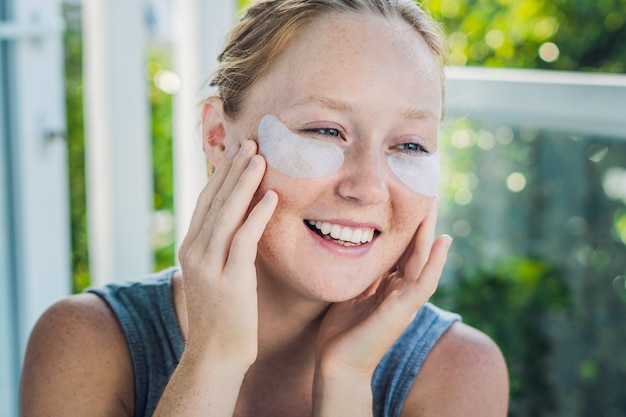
[[412, 148], [326, 131]]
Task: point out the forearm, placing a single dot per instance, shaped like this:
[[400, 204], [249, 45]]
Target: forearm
[[342, 395], [201, 387]]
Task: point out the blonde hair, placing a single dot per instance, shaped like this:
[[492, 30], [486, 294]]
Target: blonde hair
[[267, 26]]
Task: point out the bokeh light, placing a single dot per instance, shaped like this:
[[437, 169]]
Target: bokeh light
[[516, 182], [549, 52], [167, 81]]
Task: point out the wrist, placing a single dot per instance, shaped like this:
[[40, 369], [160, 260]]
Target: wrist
[[202, 385], [208, 353], [342, 393], [340, 371], [206, 363], [337, 376]]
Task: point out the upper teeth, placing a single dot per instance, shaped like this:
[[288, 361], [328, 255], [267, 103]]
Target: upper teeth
[[344, 233]]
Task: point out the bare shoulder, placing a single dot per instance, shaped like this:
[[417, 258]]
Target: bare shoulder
[[77, 362], [465, 374]]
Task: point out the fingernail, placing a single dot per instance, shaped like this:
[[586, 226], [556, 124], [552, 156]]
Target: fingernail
[[269, 196], [245, 147], [448, 241], [232, 152], [254, 161]]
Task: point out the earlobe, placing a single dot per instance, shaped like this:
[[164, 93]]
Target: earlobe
[[213, 130]]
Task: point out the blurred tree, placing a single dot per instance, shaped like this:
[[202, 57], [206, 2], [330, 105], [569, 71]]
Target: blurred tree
[[573, 35], [161, 134], [76, 145], [561, 34], [162, 83], [519, 200], [508, 301]]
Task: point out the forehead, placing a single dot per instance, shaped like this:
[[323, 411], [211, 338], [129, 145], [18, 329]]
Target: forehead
[[357, 57]]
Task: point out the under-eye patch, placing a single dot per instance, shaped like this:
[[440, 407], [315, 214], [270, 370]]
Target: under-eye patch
[[419, 173], [295, 155], [301, 157]]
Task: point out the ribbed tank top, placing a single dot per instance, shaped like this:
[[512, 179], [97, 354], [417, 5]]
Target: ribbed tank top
[[146, 313]]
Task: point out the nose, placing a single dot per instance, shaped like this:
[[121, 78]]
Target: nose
[[362, 178]]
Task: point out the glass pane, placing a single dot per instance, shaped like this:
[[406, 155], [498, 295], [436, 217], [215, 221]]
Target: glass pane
[[539, 259]]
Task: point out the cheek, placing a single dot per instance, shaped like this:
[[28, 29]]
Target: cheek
[[287, 188], [274, 229], [409, 215], [279, 238], [290, 201]]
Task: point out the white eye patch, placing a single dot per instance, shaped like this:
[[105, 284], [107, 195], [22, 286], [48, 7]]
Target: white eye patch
[[295, 155], [301, 157], [419, 173]]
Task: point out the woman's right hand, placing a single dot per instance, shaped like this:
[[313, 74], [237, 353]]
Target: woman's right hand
[[217, 260]]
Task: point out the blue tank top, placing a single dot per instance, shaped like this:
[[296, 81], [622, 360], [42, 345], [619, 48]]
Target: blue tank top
[[146, 313]]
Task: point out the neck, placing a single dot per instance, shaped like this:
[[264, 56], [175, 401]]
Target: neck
[[288, 323]]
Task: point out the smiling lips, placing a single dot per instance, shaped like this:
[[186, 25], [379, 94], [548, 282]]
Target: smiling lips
[[343, 235]]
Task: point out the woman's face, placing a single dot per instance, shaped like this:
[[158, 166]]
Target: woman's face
[[370, 85]]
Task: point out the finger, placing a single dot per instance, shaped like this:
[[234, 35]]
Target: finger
[[402, 299], [419, 291], [237, 169], [223, 224], [243, 249], [205, 198], [418, 252], [239, 166], [194, 247], [373, 288]]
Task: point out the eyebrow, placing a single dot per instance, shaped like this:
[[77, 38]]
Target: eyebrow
[[415, 114], [327, 102], [342, 106]]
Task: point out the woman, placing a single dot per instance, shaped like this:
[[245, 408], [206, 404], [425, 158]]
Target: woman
[[310, 250]]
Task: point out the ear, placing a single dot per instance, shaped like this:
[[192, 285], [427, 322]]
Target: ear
[[213, 130]]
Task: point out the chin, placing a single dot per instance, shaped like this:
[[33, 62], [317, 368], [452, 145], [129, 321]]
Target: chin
[[342, 285]]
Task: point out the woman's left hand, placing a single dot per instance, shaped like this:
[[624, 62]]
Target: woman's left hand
[[356, 334]]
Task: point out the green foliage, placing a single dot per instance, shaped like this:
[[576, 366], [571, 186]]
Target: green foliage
[[540, 265], [76, 147], [619, 225], [509, 300], [561, 34], [161, 136], [162, 163]]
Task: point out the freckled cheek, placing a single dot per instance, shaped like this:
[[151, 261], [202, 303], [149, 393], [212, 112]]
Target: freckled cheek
[[292, 192], [285, 191], [266, 248], [273, 232], [278, 239], [410, 214], [269, 182]]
